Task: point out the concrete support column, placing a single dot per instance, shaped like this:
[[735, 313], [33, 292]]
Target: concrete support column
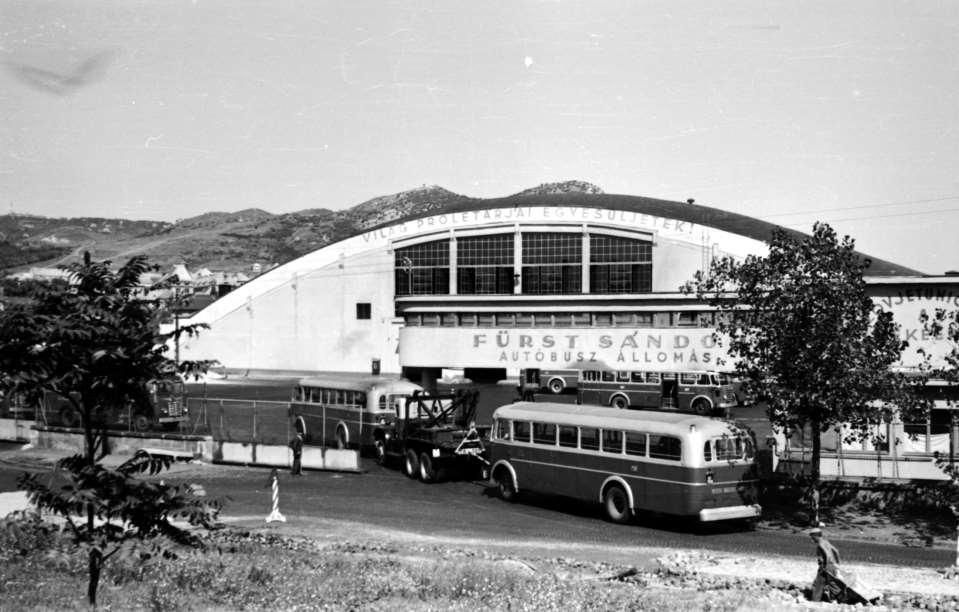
[[428, 378], [453, 264], [517, 261], [585, 263]]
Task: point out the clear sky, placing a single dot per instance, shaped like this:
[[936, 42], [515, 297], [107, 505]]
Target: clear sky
[[787, 111]]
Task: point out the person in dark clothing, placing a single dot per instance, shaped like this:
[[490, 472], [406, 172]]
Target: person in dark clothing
[[296, 444], [828, 558]]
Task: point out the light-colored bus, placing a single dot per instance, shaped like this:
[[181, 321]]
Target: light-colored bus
[[703, 393], [662, 462], [342, 409]]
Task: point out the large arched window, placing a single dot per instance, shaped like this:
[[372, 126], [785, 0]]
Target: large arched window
[[620, 265], [423, 269], [484, 265], [552, 263]]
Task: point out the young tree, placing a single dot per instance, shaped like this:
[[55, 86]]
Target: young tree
[[97, 345], [805, 337]]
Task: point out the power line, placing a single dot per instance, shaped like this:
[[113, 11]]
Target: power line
[[903, 203], [889, 216]]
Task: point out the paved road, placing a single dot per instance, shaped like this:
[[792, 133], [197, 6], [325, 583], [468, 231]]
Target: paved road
[[383, 498]]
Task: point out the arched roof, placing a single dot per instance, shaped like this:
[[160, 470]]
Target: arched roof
[[693, 213]]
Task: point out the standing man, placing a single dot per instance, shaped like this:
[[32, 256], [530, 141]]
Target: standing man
[[296, 444]]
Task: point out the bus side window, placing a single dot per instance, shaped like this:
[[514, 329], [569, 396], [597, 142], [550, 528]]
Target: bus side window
[[704, 379], [521, 431], [622, 376], [609, 376], [589, 438], [665, 447], [360, 398], [653, 378], [707, 451], [637, 377], [567, 436], [635, 444], [381, 404], [612, 441], [687, 378], [544, 433]]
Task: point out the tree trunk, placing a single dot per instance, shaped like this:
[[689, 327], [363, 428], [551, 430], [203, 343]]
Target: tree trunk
[[816, 451], [96, 562]]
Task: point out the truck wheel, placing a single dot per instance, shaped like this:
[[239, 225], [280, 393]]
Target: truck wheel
[[427, 469], [556, 386], [411, 465], [616, 504], [380, 447], [504, 484]]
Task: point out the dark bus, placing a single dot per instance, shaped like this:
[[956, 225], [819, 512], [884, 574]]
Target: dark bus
[[670, 463]]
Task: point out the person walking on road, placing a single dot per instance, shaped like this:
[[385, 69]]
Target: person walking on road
[[828, 557], [296, 445]]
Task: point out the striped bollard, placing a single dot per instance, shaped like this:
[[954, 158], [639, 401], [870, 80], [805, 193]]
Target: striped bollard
[[275, 516]]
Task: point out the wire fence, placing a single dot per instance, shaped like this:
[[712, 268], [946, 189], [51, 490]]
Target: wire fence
[[238, 420]]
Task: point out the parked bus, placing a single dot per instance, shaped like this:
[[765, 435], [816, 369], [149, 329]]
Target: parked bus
[[555, 381], [342, 409], [678, 464], [703, 393]]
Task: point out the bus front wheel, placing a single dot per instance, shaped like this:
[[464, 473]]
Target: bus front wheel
[[411, 464], [504, 484], [556, 386], [619, 402], [702, 407], [616, 504]]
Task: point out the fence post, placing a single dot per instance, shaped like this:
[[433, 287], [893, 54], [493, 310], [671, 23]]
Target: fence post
[[253, 439]]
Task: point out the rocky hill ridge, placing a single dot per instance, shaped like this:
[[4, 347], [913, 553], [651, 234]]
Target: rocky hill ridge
[[229, 241]]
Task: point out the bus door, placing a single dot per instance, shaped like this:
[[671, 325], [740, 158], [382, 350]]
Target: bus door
[[646, 392], [690, 385], [670, 391]]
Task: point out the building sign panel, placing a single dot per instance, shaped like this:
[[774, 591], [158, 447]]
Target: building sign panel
[[581, 349]]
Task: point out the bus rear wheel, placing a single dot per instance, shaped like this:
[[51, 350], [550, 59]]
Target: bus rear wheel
[[411, 464], [141, 422], [556, 386], [616, 504], [619, 402], [504, 484], [68, 417], [427, 469]]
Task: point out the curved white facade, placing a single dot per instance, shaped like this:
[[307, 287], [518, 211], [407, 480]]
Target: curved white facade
[[337, 309], [302, 316]]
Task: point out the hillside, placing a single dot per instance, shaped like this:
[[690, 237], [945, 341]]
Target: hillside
[[229, 241]]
